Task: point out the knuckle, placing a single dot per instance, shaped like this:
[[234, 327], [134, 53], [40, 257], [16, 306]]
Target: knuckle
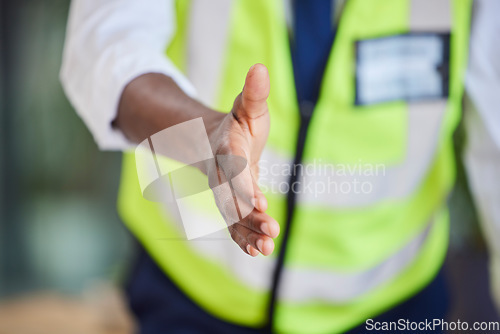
[[252, 222], [233, 233], [252, 238]]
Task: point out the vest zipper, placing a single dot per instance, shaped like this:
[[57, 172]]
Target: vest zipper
[[306, 109]]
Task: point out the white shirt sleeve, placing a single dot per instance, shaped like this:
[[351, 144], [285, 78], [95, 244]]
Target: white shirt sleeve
[[482, 121], [109, 43]]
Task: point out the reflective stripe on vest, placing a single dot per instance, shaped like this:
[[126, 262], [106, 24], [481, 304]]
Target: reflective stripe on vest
[[385, 183], [207, 46], [302, 283]]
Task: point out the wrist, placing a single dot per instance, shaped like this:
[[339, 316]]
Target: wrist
[[212, 120]]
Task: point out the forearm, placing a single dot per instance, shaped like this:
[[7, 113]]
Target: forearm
[[153, 102]]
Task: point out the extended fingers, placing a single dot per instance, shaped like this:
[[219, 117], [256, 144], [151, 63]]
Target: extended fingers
[[249, 240], [242, 242], [262, 223], [260, 199]]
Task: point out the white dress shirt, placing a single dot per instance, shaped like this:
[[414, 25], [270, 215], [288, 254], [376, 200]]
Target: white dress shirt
[[111, 42]]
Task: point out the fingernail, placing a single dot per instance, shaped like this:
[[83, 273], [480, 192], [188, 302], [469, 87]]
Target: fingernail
[[259, 244], [265, 229], [262, 204], [276, 230], [252, 251]]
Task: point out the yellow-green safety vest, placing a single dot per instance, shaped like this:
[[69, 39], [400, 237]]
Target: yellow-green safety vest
[[350, 256]]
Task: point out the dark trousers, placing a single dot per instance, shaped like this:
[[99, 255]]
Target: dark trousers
[[160, 307]]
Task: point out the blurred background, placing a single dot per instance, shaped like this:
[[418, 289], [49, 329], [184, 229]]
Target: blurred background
[[62, 245], [64, 254]]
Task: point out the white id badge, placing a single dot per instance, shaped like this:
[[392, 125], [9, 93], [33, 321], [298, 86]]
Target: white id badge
[[409, 67]]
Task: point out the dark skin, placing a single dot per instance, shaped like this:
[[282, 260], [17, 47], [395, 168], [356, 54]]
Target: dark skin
[[153, 102]]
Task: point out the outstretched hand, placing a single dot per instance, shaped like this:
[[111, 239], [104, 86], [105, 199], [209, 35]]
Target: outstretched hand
[[243, 132]]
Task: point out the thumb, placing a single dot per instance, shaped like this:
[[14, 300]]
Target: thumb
[[255, 92]]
